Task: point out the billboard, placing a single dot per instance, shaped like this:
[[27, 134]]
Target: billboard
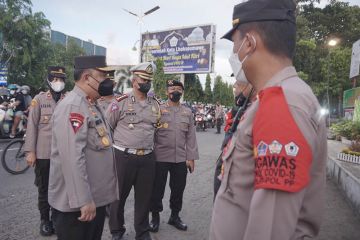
[[350, 96], [183, 50], [355, 60]]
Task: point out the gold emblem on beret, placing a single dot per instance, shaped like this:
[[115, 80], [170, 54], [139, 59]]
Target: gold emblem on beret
[[235, 21], [149, 69], [170, 82]]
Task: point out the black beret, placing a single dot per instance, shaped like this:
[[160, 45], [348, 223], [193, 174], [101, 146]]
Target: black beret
[[262, 10], [94, 62], [56, 71], [170, 83]]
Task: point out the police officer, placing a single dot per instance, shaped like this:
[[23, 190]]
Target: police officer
[[134, 118], [274, 178], [108, 94], [175, 149], [38, 140], [82, 170]]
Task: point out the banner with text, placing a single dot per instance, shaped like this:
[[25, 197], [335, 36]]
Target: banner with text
[[183, 50]]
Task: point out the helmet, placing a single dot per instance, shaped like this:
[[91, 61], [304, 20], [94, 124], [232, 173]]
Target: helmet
[[13, 87], [25, 87]]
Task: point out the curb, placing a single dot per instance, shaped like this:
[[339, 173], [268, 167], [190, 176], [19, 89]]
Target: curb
[[348, 183]]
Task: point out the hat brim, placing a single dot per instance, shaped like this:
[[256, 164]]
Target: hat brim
[[229, 34], [105, 69], [58, 75]]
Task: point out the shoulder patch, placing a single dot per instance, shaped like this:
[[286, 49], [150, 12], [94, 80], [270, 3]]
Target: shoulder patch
[[114, 107], [33, 103], [76, 120], [121, 97], [283, 157]]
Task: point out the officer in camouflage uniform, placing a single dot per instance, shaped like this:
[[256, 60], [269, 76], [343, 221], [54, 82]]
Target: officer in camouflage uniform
[[38, 140]]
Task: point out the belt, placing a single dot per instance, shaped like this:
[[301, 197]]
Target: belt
[[139, 152]]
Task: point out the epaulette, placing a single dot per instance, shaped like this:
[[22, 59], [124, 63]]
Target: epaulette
[[121, 97]]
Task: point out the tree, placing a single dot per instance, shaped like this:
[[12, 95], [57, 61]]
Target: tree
[[193, 89], [208, 94], [217, 89], [160, 79]]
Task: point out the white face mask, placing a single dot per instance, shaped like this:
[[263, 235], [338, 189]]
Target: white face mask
[[12, 92], [237, 65], [57, 86]]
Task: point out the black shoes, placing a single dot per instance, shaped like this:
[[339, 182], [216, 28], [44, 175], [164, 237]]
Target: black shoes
[[117, 236], [175, 221], [155, 222], [46, 228]]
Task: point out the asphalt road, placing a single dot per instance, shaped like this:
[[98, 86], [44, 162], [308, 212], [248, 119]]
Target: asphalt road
[[19, 217]]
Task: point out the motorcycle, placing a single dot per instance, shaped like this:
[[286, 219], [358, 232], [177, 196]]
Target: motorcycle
[[210, 121], [200, 122], [6, 121]]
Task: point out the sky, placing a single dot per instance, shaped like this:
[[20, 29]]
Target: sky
[[107, 24]]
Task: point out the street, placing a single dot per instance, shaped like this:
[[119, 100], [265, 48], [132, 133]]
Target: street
[[19, 217]]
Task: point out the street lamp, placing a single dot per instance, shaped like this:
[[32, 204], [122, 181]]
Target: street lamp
[[331, 43]]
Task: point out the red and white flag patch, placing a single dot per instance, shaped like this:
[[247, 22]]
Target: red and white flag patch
[[114, 107], [76, 120]]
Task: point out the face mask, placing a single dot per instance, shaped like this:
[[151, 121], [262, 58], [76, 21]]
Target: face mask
[[106, 88], [240, 99], [175, 96], [57, 86], [144, 87], [237, 65], [12, 92]]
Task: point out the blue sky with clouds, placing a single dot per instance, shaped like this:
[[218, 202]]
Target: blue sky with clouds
[[105, 23]]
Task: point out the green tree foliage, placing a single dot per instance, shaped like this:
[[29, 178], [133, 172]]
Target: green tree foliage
[[160, 79], [193, 89], [208, 93], [223, 92], [318, 63]]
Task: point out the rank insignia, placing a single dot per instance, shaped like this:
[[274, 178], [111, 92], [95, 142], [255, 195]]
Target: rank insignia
[[275, 147], [101, 131], [291, 149], [262, 148], [114, 107], [76, 120], [105, 141]]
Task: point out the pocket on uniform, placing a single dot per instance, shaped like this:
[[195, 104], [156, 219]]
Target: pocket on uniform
[[45, 119], [184, 124]]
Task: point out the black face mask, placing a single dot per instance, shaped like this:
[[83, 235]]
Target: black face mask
[[175, 96], [240, 99], [106, 88], [144, 87]]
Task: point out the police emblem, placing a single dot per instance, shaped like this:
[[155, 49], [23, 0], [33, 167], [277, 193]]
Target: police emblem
[[275, 147], [76, 120], [291, 149], [149, 69], [114, 107], [262, 148]]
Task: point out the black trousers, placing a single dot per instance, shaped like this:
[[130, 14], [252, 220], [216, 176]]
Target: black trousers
[[137, 171], [68, 227], [178, 172], [42, 169]]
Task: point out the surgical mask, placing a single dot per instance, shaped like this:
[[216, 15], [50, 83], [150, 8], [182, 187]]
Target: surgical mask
[[57, 86], [106, 87], [237, 65], [12, 92], [175, 96], [144, 87]]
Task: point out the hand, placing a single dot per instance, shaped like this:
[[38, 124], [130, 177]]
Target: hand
[[31, 159], [88, 212], [191, 165]]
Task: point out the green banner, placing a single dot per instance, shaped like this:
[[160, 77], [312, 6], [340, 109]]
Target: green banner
[[350, 96]]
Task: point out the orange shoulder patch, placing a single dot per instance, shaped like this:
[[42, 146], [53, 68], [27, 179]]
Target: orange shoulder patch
[[282, 155], [121, 97]]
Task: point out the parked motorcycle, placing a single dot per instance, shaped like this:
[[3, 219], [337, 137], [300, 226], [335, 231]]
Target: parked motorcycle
[[6, 121]]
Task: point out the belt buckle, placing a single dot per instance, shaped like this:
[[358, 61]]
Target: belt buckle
[[140, 152]]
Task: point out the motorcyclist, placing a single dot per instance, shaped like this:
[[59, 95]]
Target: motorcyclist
[[18, 105], [25, 90]]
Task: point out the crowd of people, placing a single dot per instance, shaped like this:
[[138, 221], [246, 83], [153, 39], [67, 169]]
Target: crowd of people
[[90, 147]]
